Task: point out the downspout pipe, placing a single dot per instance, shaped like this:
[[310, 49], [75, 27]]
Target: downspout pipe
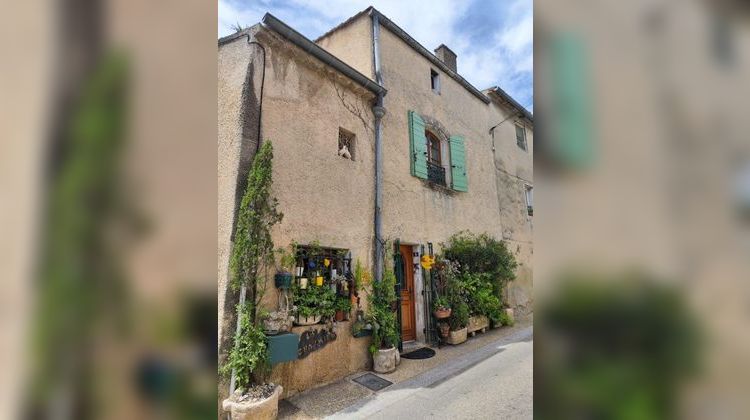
[[378, 111]]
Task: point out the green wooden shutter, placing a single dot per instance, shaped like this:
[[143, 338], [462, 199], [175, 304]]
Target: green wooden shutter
[[418, 144], [458, 164]]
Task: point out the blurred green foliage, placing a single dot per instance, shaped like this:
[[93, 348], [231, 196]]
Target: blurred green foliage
[[613, 349], [80, 282]]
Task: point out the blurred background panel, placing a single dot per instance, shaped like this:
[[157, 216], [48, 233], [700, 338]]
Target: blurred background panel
[[109, 209], [641, 168]]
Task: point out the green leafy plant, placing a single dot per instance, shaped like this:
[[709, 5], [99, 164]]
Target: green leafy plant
[[632, 342], [287, 258], [251, 254], [343, 304], [441, 303], [362, 276], [503, 319], [481, 254], [314, 301], [249, 356], [381, 299], [253, 245], [459, 315]]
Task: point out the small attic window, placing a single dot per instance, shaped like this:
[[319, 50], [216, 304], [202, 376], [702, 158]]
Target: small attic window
[[346, 144], [435, 81]]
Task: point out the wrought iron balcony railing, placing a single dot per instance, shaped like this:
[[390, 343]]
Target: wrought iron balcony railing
[[435, 173]]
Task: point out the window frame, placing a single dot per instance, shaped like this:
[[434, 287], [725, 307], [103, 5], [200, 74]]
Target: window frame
[[351, 146], [523, 145], [435, 81], [431, 138], [528, 191]]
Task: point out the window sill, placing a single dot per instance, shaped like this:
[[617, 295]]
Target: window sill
[[438, 187]]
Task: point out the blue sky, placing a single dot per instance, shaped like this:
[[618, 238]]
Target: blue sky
[[492, 38]]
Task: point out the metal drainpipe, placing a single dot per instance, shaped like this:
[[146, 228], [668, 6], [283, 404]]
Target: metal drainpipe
[[378, 110]]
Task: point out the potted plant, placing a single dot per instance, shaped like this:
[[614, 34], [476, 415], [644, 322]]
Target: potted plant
[[385, 334], [343, 307], [249, 359], [252, 253], [287, 260], [458, 321], [444, 328], [360, 327], [312, 304], [441, 308]]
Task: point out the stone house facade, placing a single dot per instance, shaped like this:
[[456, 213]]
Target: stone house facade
[[451, 158]]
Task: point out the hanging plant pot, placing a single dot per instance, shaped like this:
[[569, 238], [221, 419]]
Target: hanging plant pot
[[319, 281], [442, 313], [303, 283], [283, 280]]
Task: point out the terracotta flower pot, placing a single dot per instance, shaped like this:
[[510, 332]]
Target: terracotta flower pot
[[340, 316], [442, 313], [266, 409]]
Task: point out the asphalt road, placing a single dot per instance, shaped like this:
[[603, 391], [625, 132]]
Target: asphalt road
[[494, 382]]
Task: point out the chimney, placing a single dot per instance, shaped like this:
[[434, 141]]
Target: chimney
[[446, 56]]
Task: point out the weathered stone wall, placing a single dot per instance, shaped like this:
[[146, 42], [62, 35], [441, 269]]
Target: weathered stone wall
[[352, 44], [324, 197], [337, 359], [495, 202]]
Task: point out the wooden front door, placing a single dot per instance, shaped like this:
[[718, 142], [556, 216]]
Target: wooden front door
[[408, 321]]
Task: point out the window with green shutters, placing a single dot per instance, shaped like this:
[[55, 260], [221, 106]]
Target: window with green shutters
[[420, 167], [458, 164], [418, 143]]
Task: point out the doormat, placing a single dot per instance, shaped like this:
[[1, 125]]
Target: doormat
[[372, 382], [421, 353]]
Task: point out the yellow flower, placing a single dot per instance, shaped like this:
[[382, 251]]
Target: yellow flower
[[427, 262]]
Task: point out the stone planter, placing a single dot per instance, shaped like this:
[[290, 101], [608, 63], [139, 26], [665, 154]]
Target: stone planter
[[456, 337], [266, 409], [385, 360], [442, 313], [277, 322], [477, 323], [307, 320]]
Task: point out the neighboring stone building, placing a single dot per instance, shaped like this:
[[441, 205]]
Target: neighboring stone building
[[453, 158]]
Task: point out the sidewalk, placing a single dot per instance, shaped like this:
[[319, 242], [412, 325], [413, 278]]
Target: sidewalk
[[410, 376]]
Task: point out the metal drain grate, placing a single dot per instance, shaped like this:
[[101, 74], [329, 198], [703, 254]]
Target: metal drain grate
[[372, 382]]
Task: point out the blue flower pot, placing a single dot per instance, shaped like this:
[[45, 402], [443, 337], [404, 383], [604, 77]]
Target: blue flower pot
[[283, 280]]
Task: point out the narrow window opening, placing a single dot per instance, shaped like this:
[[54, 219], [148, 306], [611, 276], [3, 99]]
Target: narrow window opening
[[521, 136], [529, 190], [435, 169], [435, 81], [347, 143]]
